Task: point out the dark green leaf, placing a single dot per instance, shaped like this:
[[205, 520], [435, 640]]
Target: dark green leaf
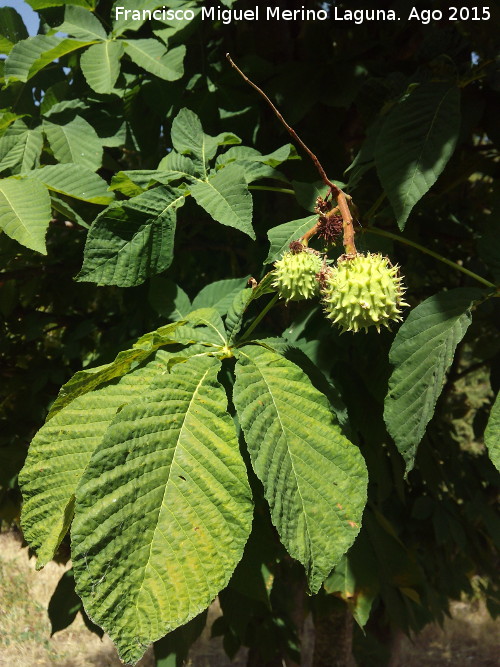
[[75, 141], [415, 143], [132, 241], [168, 299], [226, 198], [281, 236], [421, 354], [12, 29]]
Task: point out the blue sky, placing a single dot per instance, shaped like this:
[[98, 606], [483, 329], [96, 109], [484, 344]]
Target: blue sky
[[29, 17]]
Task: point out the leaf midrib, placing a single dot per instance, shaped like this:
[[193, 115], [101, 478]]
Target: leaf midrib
[[284, 431], [162, 504]]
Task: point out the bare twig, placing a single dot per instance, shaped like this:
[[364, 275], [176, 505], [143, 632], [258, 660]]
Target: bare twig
[[333, 189]]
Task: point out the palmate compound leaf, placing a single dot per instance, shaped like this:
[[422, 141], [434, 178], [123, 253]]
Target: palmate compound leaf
[[163, 510], [61, 450], [314, 478], [422, 353]]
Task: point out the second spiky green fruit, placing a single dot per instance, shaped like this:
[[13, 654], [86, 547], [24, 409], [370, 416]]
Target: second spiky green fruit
[[295, 275], [363, 291]]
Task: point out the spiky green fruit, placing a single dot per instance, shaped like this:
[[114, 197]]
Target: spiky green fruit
[[295, 275], [363, 291]]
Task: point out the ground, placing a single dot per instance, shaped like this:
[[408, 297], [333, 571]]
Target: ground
[[469, 638]]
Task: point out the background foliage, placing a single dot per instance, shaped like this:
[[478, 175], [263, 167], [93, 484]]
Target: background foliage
[[138, 171]]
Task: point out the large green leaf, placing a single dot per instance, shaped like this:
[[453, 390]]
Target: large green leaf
[[60, 452], [25, 212], [226, 198], [152, 55], [87, 380], [421, 354], [281, 236], [75, 141], [416, 141], [81, 24], [20, 147], [12, 29], [33, 54], [166, 501], [212, 327], [314, 478], [75, 181], [492, 433], [11, 138], [132, 240], [100, 65]]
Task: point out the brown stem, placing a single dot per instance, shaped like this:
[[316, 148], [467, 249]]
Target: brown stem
[[309, 234], [334, 190], [349, 245]]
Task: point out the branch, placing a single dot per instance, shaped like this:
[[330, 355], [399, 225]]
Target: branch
[[333, 189]]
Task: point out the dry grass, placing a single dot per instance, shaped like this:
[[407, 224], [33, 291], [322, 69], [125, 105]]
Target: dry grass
[[24, 625], [25, 628], [470, 638]]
